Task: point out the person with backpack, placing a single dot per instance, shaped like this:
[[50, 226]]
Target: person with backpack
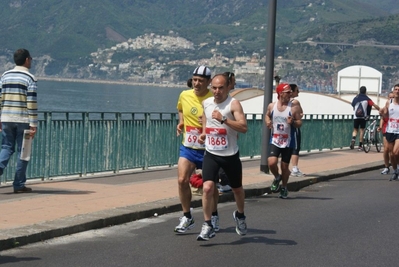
[[362, 108]]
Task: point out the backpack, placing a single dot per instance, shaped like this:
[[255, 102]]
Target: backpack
[[360, 111]]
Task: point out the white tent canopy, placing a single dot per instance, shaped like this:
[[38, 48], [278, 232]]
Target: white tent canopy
[[352, 78], [312, 103]]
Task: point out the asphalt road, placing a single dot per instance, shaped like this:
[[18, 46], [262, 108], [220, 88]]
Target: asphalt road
[[350, 221]]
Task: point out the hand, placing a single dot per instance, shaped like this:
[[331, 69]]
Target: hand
[[179, 129], [290, 120], [201, 139], [33, 131], [217, 115], [269, 124]]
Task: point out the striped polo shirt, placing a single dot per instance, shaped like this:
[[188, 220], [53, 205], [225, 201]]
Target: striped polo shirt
[[18, 96]]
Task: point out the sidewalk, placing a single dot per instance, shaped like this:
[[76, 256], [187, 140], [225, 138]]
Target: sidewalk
[[58, 208]]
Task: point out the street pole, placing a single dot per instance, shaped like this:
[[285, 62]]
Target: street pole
[[268, 93]]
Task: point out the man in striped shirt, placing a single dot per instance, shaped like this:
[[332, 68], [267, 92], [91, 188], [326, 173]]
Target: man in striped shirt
[[18, 112]]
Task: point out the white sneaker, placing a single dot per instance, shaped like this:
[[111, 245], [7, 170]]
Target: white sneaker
[[241, 225], [224, 188], [207, 233], [297, 173], [185, 224], [215, 223], [385, 171]]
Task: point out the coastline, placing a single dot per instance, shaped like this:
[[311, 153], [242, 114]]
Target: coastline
[[43, 78]]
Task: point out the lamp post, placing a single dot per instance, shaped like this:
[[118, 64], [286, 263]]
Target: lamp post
[[268, 93]]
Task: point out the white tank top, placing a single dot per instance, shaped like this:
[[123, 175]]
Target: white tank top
[[281, 135], [221, 140], [393, 119]]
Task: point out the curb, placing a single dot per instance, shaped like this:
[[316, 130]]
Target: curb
[[62, 227]]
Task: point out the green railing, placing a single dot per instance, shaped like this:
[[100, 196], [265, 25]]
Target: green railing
[[81, 143]]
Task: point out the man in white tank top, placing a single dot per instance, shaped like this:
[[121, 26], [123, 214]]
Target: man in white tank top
[[282, 117], [223, 119], [295, 153], [391, 111]]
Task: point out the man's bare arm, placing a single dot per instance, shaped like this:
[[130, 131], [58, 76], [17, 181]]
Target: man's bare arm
[[268, 119], [298, 104], [297, 117], [384, 110], [202, 136], [239, 123], [180, 125]]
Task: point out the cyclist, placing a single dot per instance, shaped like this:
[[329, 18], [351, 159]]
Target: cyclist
[[362, 108]]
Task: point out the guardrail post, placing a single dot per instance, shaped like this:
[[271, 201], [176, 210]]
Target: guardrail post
[[118, 141], [332, 117], [147, 140], [48, 147], [86, 132]]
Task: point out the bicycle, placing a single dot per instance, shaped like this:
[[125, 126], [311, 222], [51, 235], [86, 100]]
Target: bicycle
[[372, 137]]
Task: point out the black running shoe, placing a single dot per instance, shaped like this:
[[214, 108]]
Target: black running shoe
[[394, 177], [352, 146]]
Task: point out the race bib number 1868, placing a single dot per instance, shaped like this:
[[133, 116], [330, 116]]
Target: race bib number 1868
[[216, 138]]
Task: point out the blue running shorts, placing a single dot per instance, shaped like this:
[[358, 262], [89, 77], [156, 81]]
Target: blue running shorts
[[196, 156]]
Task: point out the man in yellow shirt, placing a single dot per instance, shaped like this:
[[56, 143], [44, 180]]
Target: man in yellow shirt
[[191, 155]]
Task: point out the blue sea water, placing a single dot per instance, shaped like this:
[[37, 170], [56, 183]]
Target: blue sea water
[[104, 97]]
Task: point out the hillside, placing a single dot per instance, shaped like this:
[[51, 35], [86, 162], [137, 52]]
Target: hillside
[[371, 42], [62, 34]]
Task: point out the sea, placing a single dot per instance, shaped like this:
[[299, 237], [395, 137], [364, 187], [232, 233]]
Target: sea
[[66, 96]]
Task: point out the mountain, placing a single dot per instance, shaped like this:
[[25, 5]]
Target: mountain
[[63, 34]]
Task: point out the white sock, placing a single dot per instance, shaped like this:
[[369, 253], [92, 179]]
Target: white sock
[[295, 168]]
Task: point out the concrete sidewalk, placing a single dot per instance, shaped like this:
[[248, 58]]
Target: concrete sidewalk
[[57, 208]]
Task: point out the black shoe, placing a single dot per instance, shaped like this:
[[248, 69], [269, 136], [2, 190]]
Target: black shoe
[[352, 146], [394, 177], [23, 190]]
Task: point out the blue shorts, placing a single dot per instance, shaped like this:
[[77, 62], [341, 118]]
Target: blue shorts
[[196, 156]]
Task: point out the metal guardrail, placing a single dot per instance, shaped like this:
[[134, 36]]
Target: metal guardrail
[[82, 143]]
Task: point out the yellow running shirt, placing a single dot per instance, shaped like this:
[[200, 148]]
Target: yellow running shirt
[[191, 106]]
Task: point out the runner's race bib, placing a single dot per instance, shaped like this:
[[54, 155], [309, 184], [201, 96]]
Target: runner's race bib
[[280, 140], [393, 126], [216, 138], [192, 137]]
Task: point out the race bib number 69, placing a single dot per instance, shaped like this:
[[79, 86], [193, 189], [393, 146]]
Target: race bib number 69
[[192, 137]]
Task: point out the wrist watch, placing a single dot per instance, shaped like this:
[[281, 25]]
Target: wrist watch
[[224, 118]]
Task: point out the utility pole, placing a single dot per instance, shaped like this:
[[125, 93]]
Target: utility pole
[[268, 94]]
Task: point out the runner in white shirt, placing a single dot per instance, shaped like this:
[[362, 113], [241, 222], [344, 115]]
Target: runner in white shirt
[[391, 111], [223, 119], [282, 117]]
